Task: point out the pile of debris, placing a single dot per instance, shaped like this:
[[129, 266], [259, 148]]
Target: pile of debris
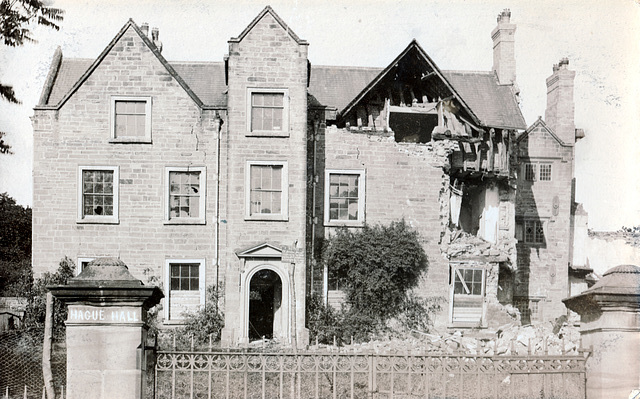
[[508, 340], [463, 244]]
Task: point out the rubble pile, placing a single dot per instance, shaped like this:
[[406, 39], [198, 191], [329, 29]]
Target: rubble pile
[[465, 244], [630, 235], [508, 340]]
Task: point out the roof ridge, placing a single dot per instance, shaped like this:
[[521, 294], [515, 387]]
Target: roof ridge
[[196, 62], [345, 66], [461, 71]]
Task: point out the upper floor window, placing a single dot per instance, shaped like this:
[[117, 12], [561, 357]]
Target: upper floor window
[[537, 171], [98, 194], [185, 197], [344, 197], [131, 119], [268, 112], [267, 190]]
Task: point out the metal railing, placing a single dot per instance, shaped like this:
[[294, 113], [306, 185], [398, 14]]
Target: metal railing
[[357, 375]]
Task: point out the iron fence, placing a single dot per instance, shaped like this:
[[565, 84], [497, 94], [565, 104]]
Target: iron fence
[[180, 374]]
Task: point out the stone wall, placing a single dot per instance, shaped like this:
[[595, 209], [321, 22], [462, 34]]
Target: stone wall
[[543, 267], [78, 134]]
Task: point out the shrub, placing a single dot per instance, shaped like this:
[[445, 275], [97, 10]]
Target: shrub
[[323, 321], [376, 266], [206, 321], [417, 313]]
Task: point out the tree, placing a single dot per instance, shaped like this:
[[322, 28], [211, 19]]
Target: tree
[[16, 19], [15, 246]]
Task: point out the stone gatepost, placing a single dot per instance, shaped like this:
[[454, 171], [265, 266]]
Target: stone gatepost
[[106, 331], [610, 324]]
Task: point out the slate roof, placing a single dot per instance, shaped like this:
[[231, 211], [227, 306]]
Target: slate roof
[[333, 86], [336, 86], [494, 104]]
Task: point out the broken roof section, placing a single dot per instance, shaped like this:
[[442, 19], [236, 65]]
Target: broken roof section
[[414, 75]]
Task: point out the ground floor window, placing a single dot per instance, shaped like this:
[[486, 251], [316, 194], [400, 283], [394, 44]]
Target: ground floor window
[[530, 309], [186, 283], [467, 295]]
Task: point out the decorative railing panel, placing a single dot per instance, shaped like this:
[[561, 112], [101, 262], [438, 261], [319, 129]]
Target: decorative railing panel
[[226, 375]]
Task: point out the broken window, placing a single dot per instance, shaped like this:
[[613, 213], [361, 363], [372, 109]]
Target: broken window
[[467, 294], [98, 194], [412, 127], [185, 200], [344, 197], [530, 172], [530, 309]]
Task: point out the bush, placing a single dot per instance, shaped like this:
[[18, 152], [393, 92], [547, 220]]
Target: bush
[[323, 321], [417, 313], [206, 321]]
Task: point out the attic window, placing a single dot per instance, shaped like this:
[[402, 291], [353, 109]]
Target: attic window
[[268, 112], [131, 119]]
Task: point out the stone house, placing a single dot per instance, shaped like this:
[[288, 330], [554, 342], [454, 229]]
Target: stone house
[[229, 174]]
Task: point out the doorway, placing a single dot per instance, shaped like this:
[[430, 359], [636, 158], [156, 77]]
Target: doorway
[[265, 305]]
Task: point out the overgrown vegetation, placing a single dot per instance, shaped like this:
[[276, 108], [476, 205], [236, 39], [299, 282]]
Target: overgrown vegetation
[[376, 267], [205, 322]]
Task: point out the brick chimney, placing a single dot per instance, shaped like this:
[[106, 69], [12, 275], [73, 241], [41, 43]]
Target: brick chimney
[[504, 56], [559, 115], [145, 28]]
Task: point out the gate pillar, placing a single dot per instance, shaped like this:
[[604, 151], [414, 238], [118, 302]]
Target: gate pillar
[[106, 331], [610, 323]]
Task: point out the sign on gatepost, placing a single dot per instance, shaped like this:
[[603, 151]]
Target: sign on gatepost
[[106, 331]]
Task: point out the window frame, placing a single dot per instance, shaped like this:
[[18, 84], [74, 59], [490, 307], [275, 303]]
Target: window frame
[[284, 199], [284, 132], [454, 267], [361, 173], [81, 260], [112, 118], [201, 219], [104, 219], [167, 281], [536, 170]]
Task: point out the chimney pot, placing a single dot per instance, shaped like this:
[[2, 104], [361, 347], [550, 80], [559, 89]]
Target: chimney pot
[[504, 16], [145, 28], [564, 63], [155, 33]]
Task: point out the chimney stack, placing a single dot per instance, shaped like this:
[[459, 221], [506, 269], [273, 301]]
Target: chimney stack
[[559, 115], [145, 29], [504, 56], [155, 33]]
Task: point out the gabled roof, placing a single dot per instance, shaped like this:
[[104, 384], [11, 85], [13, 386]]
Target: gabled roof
[[268, 10], [68, 71], [264, 250], [494, 104], [412, 46], [540, 123]]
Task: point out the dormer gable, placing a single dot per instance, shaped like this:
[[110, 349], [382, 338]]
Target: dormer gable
[[540, 126], [268, 10], [264, 250]]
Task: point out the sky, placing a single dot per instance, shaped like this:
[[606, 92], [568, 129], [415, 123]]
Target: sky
[[600, 38]]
